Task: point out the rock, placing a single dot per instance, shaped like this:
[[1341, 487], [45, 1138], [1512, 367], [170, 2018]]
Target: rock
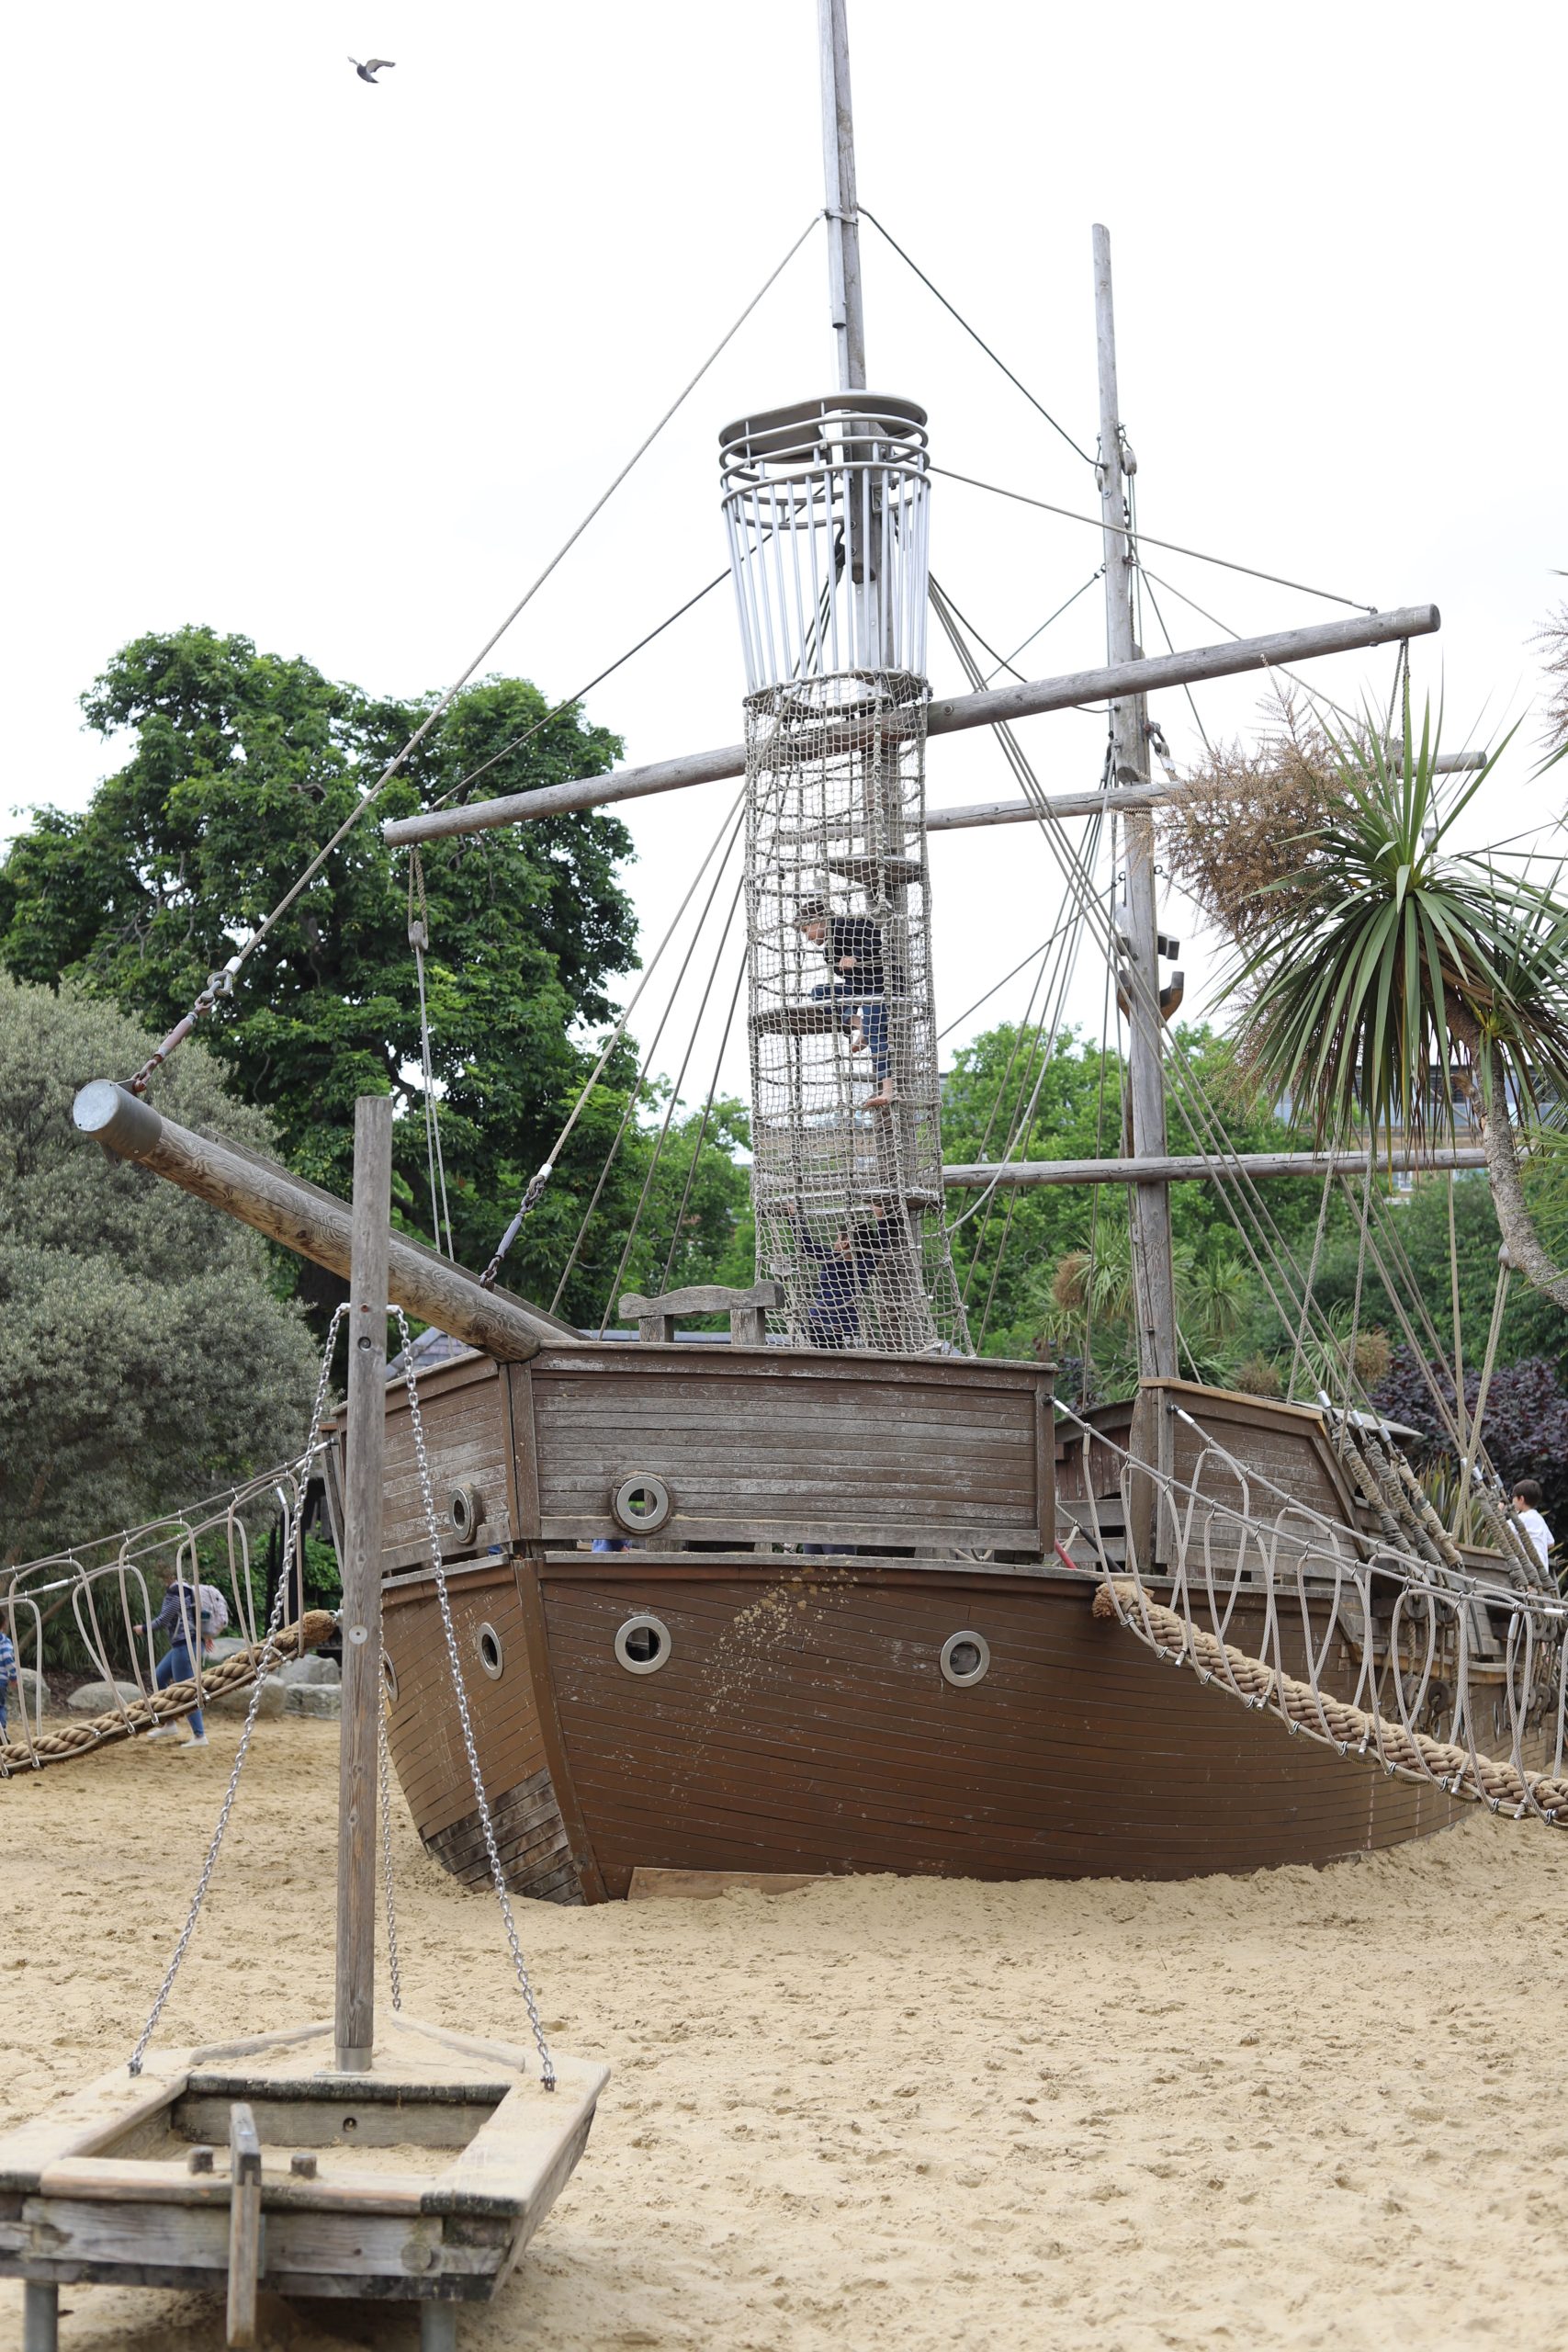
[[227, 1645], [310, 1669], [275, 1691], [314, 1699], [38, 1701], [100, 1698]]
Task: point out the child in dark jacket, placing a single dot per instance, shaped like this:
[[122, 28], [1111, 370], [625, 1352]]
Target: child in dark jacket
[[849, 1266]]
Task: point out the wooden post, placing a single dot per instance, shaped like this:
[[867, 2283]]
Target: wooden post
[[315, 1224], [244, 2224], [355, 2010], [40, 2316], [839, 171], [1130, 765]]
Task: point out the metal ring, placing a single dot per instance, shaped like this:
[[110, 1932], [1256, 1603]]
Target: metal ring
[[492, 1657], [965, 1659], [642, 1644], [390, 1677], [465, 1509], [640, 1503]]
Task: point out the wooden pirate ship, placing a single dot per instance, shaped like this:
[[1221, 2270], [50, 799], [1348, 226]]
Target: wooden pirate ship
[[821, 1597]]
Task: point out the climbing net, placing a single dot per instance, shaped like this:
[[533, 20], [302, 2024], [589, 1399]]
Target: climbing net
[[846, 1133], [1443, 1672]]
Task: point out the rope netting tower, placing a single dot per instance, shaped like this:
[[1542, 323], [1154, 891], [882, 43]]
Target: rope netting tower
[[826, 504]]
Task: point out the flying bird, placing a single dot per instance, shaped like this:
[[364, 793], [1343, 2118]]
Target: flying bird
[[371, 67]]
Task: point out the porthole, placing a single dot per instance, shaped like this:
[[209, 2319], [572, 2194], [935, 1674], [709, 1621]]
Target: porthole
[[465, 1509], [965, 1659], [492, 1657], [642, 1645], [641, 1503], [390, 1677]]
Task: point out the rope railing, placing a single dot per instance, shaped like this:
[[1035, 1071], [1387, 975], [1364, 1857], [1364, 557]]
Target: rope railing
[[1348, 1637]]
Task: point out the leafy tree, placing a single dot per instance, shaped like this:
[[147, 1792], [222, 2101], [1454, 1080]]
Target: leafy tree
[[1022, 1258], [1386, 981], [240, 765], [1525, 1428], [146, 1356]]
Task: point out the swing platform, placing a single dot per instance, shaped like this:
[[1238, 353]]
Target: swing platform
[[254, 2164]]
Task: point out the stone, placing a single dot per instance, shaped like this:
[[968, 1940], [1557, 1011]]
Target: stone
[[311, 1669], [275, 1692], [227, 1645], [100, 1698], [38, 1700], [314, 1699]]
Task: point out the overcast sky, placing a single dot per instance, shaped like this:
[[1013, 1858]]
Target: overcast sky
[[340, 367]]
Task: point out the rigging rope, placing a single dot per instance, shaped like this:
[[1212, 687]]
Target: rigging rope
[[1126, 531], [221, 984], [1075, 447], [546, 1167], [732, 825]]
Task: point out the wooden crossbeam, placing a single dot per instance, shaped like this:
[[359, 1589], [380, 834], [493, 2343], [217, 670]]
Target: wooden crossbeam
[[1026, 699], [1018, 1175]]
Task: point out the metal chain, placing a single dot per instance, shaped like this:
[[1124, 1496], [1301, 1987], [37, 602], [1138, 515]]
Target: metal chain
[[433, 1525], [263, 1664], [393, 1968]]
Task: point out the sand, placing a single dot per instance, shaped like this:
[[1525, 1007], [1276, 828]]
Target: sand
[[1305, 2109]]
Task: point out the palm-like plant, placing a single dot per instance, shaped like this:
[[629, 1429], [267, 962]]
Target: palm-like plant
[[1402, 979]]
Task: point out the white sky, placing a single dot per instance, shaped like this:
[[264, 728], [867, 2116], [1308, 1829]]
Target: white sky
[[340, 367]]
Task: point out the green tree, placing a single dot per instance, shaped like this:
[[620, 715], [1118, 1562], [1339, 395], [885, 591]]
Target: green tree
[[1011, 1253], [146, 1356], [1390, 983], [239, 765]]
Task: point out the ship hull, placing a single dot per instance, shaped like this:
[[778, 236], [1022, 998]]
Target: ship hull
[[802, 1724], [829, 1526]]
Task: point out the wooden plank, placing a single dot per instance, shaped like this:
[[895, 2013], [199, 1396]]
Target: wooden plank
[[543, 1682], [87, 2119], [706, 1886], [524, 1451], [701, 1298], [244, 2190], [354, 2011]]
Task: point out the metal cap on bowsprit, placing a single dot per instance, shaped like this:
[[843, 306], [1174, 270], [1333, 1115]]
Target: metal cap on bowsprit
[[110, 1114]]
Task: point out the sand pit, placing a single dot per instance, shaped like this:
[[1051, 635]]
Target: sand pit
[[1305, 2109]]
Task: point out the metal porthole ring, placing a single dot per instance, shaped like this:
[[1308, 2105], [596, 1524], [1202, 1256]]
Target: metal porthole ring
[[640, 1503], [965, 1659], [642, 1644], [465, 1510], [390, 1677], [492, 1657]]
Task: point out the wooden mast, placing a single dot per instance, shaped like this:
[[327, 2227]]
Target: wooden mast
[[843, 220], [354, 2030], [1151, 1263]]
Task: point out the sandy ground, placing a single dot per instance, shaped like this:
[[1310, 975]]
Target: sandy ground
[[1306, 2108]]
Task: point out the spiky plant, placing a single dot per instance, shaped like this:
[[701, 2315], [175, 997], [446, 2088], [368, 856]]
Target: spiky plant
[[1401, 978]]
